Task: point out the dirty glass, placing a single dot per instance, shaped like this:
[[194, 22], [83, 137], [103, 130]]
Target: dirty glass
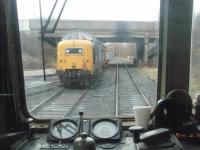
[[117, 71], [195, 53]]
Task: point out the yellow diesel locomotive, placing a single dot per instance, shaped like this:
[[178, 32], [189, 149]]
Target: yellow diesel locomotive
[[80, 58]]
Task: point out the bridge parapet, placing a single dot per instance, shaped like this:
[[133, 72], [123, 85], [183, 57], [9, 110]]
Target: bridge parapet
[[102, 28]]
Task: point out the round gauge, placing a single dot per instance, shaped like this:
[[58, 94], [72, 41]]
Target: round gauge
[[105, 128], [64, 129]]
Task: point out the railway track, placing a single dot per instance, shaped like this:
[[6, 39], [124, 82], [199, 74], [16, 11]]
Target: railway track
[[113, 95], [148, 86], [43, 102], [98, 101], [63, 103], [128, 93], [116, 97], [38, 92], [58, 104]]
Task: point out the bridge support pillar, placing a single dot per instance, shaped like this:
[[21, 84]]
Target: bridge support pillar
[[146, 49], [140, 50]]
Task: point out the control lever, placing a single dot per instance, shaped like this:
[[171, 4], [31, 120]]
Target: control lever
[[136, 130], [84, 142], [155, 136], [81, 123]]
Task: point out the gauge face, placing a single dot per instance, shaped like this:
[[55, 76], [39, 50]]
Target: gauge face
[[64, 129], [105, 129]]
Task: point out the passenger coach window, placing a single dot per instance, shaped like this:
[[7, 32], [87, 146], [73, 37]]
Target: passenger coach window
[[112, 61], [195, 61]]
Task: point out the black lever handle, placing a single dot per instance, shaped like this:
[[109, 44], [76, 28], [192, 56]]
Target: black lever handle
[[81, 122], [155, 136], [81, 113], [136, 130]]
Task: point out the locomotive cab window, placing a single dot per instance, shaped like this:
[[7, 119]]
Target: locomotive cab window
[[84, 77], [195, 52], [78, 58]]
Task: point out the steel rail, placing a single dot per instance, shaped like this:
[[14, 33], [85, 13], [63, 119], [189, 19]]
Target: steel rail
[[137, 85], [70, 111], [46, 100]]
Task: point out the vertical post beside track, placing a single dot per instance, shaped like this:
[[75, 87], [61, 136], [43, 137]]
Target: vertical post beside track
[[42, 42], [116, 92]]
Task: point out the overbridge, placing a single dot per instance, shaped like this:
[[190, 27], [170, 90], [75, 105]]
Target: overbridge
[[143, 33]]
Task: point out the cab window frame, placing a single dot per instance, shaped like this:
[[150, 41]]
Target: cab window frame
[[164, 72]]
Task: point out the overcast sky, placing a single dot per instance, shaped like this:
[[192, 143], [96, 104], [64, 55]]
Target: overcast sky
[[138, 10]]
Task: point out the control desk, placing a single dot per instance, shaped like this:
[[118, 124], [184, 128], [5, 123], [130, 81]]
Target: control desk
[[107, 134]]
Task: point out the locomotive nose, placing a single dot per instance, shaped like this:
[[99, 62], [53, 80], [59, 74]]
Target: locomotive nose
[[84, 64], [73, 65]]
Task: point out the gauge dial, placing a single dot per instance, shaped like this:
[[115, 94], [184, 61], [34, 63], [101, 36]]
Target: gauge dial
[[105, 129], [64, 129]]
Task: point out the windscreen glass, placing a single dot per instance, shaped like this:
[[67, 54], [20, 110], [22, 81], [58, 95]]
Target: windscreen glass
[[195, 53], [99, 57]]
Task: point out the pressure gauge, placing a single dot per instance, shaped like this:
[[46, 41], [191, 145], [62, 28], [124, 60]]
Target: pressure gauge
[[105, 128], [63, 130]]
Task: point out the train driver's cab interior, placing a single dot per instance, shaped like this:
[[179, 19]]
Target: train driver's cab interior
[[94, 75]]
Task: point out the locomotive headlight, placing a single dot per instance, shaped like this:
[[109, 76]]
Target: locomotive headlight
[[67, 50], [80, 50]]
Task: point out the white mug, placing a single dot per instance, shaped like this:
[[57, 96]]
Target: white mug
[[142, 115]]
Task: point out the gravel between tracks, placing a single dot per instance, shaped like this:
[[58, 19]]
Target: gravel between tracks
[[99, 101]]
